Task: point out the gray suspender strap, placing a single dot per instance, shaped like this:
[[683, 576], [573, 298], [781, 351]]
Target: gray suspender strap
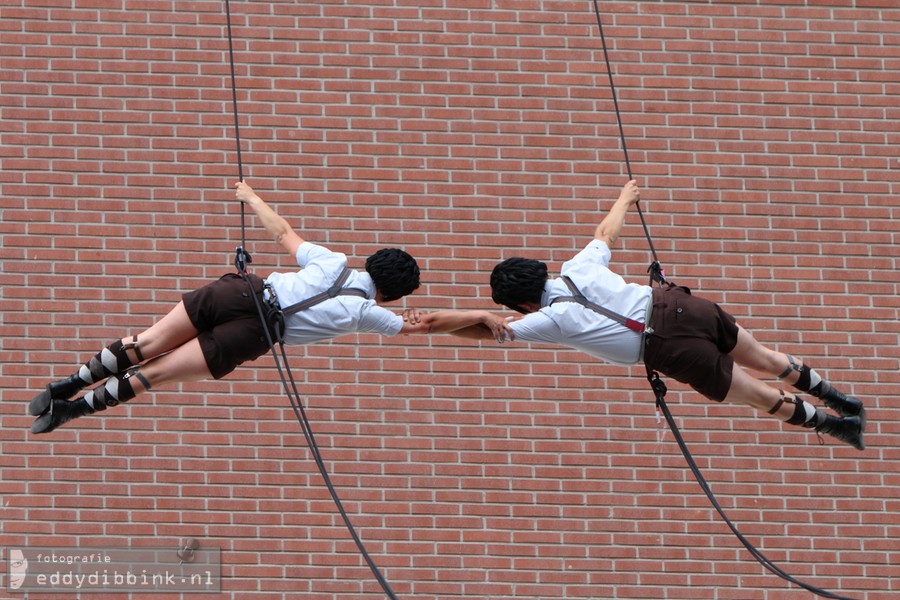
[[578, 297], [332, 292]]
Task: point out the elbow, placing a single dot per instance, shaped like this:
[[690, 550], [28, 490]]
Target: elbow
[[607, 238], [281, 234]]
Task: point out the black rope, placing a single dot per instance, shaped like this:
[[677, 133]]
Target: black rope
[[656, 273], [293, 394], [659, 387], [242, 258]]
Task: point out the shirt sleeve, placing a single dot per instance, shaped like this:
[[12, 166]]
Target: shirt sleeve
[[377, 319], [596, 252], [319, 261], [536, 327]]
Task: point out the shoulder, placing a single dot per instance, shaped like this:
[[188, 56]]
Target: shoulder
[[596, 252], [308, 253]]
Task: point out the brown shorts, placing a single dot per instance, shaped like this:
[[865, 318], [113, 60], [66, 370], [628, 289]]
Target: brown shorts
[[226, 316], [691, 341]]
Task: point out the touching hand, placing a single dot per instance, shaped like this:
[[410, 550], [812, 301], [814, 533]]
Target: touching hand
[[499, 327], [413, 316]]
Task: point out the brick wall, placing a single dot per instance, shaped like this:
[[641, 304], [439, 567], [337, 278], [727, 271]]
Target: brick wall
[[765, 135]]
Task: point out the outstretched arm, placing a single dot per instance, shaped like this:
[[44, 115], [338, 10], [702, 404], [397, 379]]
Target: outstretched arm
[[611, 226], [277, 227], [471, 324]]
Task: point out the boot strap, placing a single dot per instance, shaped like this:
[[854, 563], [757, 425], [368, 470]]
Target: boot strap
[[778, 404], [792, 366], [133, 345]]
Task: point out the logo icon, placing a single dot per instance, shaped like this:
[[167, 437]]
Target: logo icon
[[18, 568]]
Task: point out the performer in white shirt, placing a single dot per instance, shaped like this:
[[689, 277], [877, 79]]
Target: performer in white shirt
[[217, 327], [689, 339]]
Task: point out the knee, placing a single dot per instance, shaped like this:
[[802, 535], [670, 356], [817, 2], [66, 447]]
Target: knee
[[763, 359], [776, 362]]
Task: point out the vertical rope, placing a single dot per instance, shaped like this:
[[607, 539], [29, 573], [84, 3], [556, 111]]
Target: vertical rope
[[242, 257], [656, 273]]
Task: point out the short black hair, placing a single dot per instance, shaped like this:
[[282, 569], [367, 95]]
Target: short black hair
[[518, 280], [394, 272]]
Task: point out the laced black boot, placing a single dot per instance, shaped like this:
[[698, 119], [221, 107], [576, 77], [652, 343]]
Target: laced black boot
[[116, 390], [112, 360], [62, 389], [846, 406], [60, 412], [846, 429], [849, 430]]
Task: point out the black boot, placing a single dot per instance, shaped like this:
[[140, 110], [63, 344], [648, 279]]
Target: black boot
[[59, 413], [117, 389], [62, 389], [847, 429], [846, 406]]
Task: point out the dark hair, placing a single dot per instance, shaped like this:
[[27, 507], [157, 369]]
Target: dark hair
[[517, 280], [394, 272]]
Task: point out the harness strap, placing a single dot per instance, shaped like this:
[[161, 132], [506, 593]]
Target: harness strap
[[274, 316], [579, 298], [332, 292]]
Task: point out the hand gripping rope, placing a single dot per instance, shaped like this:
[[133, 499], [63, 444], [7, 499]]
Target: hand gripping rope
[[659, 387], [242, 258]]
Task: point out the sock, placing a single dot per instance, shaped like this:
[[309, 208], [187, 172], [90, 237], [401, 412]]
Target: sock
[[116, 389], [805, 414], [809, 381], [111, 360]]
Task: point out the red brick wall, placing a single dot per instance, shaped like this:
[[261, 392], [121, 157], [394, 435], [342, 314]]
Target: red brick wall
[[765, 135]]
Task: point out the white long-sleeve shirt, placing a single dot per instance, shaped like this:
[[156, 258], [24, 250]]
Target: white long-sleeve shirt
[[576, 326], [333, 317]]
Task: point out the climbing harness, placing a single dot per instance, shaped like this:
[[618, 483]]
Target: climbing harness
[[658, 385], [580, 298], [242, 259], [275, 314]]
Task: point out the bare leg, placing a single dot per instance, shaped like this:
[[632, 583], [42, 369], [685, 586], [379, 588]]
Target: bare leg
[[746, 389], [165, 335], [752, 354], [184, 363], [114, 361], [170, 332]]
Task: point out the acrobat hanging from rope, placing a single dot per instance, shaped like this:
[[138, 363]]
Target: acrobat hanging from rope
[[217, 327], [690, 339]]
